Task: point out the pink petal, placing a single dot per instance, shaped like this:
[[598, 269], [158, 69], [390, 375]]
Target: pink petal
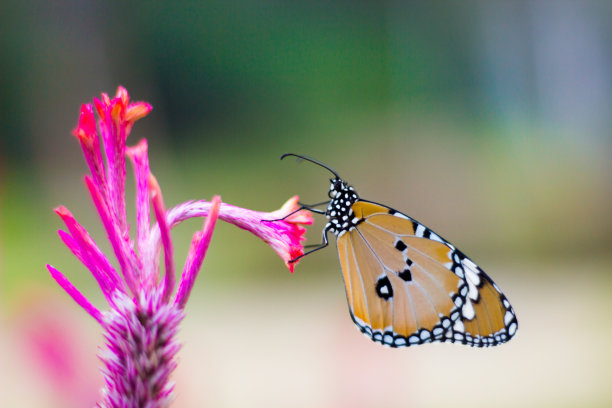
[[160, 215], [140, 162], [88, 137], [84, 247], [285, 236], [76, 295], [197, 252], [137, 111], [127, 262], [114, 134]]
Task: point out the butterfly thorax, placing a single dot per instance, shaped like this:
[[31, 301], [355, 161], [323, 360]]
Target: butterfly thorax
[[339, 210]]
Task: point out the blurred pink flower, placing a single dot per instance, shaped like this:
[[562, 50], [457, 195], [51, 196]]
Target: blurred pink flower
[[145, 310], [50, 339]]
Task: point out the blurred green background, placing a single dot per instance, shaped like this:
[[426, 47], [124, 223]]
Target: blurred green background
[[490, 122]]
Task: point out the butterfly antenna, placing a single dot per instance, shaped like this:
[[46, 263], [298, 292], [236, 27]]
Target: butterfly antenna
[[310, 159]]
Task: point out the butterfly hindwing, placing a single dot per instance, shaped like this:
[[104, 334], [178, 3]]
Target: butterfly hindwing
[[406, 285]]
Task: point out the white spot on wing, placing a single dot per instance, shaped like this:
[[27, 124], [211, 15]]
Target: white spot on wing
[[458, 326], [420, 230], [468, 310], [508, 317], [512, 329], [472, 275], [435, 237], [473, 291]]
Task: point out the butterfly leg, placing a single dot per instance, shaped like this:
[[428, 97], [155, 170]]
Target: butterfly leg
[[322, 245], [303, 207], [311, 206]]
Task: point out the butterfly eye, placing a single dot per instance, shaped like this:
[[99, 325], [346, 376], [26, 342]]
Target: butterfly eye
[[334, 188]]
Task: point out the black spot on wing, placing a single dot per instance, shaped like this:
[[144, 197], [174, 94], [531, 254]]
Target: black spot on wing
[[406, 275], [383, 288], [400, 246]]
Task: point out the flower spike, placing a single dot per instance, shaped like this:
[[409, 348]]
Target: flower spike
[[141, 322]]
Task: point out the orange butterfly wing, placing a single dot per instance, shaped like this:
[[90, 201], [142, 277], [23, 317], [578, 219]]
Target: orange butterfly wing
[[406, 285]]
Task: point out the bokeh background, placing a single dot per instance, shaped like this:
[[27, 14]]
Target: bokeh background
[[488, 121]]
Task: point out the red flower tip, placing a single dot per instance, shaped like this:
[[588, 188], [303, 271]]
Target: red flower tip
[[288, 231], [63, 213], [137, 111], [299, 217], [99, 105], [294, 252], [154, 189], [122, 94], [73, 226], [86, 128], [116, 110], [138, 150]]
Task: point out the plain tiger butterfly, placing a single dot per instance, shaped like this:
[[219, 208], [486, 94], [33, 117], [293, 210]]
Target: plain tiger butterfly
[[405, 284]]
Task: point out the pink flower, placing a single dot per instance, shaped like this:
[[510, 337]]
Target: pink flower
[[281, 229], [144, 309]]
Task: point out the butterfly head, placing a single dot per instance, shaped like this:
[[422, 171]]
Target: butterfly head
[[338, 186], [342, 197]]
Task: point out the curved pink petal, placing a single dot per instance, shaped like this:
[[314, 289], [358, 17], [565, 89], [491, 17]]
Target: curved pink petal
[[281, 229]]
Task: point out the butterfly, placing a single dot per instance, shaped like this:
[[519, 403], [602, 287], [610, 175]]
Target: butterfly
[[405, 284]]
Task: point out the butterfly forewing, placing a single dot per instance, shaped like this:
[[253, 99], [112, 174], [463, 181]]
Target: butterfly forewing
[[406, 285]]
